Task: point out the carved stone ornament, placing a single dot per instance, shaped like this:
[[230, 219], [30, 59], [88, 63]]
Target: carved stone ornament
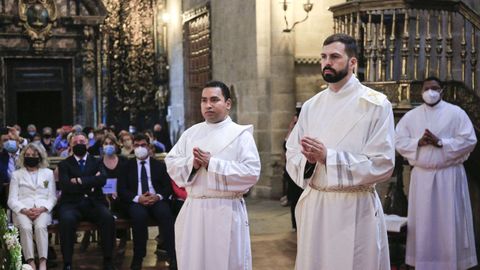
[[88, 51], [37, 16]]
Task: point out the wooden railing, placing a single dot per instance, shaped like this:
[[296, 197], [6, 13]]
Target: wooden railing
[[402, 41]]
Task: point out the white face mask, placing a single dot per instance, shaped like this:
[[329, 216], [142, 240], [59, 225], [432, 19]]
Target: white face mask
[[431, 96], [141, 152]]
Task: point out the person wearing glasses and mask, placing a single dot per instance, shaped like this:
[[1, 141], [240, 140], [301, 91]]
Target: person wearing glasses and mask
[[32, 198], [436, 138], [47, 141], [145, 187]]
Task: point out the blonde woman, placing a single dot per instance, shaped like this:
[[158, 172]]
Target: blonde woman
[[32, 198]]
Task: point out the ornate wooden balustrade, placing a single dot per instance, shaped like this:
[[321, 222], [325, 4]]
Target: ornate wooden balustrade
[[403, 41]]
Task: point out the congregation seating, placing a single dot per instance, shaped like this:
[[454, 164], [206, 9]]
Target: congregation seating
[[120, 223]]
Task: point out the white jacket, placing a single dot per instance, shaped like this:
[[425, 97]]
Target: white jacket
[[26, 193]]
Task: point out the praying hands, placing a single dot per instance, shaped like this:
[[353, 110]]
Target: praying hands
[[429, 138], [313, 150], [200, 158]]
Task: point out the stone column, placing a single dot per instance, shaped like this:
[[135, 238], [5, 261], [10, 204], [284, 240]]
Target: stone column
[[88, 78], [276, 93]]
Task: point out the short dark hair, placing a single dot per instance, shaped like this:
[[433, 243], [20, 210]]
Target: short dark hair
[[222, 86], [4, 131], [347, 40], [141, 136], [79, 133], [433, 78]]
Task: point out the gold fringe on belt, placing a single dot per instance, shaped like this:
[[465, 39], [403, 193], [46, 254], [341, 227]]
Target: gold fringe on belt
[[226, 197], [352, 189]]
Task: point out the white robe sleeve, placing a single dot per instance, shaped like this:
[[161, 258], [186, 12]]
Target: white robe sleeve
[[179, 163], [457, 148], [374, 164], [236, 175], [296, 161], [406, 142]]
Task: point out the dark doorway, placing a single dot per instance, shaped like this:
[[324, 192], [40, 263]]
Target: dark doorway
[[41, 108], [38, 91]]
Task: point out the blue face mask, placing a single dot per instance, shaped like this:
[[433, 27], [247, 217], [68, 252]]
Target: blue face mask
[[32, 133], [109, 150], [10, 146]]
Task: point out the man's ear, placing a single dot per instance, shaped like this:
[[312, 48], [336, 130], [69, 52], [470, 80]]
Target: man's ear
[[353, 61], [229, 103]]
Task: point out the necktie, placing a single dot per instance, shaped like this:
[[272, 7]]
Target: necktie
[[81, 164], [144, 177]]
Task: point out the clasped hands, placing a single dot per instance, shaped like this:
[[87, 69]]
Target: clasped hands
[[200, 158], [314, 150], [428, 138], [33, 212], [148, 198]]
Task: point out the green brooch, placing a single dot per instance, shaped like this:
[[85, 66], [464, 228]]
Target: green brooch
[[45, 183]]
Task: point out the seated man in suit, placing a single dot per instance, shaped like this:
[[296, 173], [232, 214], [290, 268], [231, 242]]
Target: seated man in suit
[[145, 187], [4, 156], [81, 182], [9, 150]]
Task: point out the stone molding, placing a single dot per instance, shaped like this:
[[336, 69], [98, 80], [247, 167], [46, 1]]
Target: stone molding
[[307, 60]]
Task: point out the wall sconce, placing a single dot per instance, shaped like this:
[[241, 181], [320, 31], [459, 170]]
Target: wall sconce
[[307, 7], [165, 17]]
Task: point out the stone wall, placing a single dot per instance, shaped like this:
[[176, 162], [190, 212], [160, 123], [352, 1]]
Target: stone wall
[[251, 53]]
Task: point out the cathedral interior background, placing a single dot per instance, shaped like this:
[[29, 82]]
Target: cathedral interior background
[[140, 62]]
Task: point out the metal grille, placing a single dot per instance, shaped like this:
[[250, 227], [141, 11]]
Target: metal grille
[[198, 67]]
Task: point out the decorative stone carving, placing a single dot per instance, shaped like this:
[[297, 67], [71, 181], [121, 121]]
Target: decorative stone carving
[[131, 53], [88, 52], [38, 18]]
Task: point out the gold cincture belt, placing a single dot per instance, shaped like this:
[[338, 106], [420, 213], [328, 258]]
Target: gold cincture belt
[[351, 189], [226, 197]]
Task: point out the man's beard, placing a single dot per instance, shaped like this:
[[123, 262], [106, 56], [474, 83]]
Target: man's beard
[[336, 76]]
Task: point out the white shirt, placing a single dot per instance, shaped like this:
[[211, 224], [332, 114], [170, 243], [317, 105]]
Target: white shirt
[[84, 158], [149, 179]]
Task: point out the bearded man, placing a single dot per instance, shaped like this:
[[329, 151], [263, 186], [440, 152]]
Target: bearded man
[[341, 146]]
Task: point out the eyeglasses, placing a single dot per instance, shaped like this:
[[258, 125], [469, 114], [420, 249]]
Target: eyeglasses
[[140, 145]]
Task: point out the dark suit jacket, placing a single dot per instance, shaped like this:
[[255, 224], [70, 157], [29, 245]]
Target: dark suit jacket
[[127, 185], [92, 183], [4, 179]]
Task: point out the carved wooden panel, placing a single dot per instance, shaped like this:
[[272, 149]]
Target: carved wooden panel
[[198, 64]]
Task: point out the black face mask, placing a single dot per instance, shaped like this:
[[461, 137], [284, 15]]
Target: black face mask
[[79, 150], [31, 161]]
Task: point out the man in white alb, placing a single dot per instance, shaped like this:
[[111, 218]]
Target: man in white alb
[[436, 138], [217, 161], [340, 148]]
